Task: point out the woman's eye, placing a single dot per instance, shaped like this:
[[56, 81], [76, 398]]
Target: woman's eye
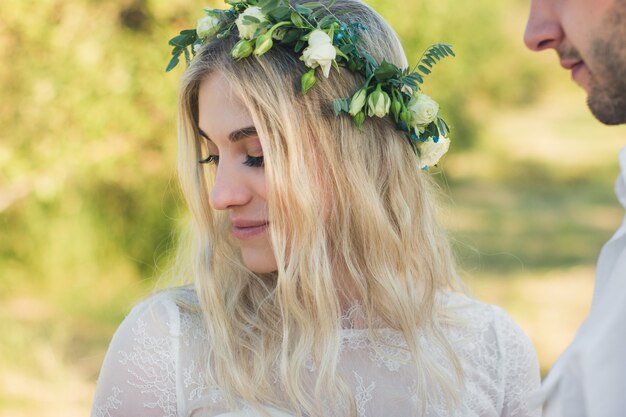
[[253, 161], [211, 159]]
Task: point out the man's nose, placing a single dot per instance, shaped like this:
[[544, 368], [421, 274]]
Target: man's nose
[[229, 189], [543, 29]]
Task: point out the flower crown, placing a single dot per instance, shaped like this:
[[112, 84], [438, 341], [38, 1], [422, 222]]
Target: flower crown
[[324, 41]]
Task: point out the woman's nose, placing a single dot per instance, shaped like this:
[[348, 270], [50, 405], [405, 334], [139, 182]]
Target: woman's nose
[[229, 189], [543, 29]]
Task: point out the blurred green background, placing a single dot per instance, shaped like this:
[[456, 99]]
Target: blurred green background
[[90, 209]]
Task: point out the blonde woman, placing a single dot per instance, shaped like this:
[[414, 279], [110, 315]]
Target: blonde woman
[[319, 281]]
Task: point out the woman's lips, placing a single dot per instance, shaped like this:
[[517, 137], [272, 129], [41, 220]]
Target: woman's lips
[[246, 230]]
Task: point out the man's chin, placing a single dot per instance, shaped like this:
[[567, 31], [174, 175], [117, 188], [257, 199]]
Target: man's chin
[[610, 111]]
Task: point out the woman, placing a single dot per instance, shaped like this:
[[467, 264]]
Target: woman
[[319, 282]]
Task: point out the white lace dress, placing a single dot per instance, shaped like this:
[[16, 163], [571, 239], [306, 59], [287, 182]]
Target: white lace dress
[[150, 368]]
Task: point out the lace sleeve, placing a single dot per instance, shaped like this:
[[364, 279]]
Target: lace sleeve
[[138, 376], [520, 367]]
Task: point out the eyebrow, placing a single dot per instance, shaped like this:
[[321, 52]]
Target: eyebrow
[[235, 135]]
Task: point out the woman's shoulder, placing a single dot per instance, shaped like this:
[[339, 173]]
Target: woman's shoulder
[[487, 332], [139, 371], [162, 311], [474, 314], [497, 357]]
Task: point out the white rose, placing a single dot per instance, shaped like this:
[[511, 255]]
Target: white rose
[[320, 52], [431, 152], [423, 110], [207, 26], [246, 31]]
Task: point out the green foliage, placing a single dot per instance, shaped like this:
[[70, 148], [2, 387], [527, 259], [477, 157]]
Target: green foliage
[[182, 45], [89, 120], [492, 65]]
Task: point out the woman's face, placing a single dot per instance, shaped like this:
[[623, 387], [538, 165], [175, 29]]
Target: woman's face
[[233, 146]]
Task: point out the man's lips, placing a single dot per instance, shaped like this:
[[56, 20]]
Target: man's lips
[[574, 65], [569, 64], [244, 229]]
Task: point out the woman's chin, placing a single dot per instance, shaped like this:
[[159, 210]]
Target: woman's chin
[[259, 263]]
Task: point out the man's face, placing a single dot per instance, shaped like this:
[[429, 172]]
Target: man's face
[[590, 38]]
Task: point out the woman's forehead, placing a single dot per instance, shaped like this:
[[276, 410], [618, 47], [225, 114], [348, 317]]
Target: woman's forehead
[[220, 110]]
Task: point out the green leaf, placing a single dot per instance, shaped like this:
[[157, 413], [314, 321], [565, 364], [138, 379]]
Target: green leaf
[[411, 83], [223, 34], [359, 118], [268, 5], [448, 48], [297, 20], [173, 63], [308, 80], [339, 105], [423, 69], [327, 22], [386, 71], [262, 28], [370, 59], [312, 5], [299, 46], [345, 105], [443, 127], [214, 12], [341, 54], [292, 36], [182, 40], [428, 61], [304, 11], [431, 131], [250, 20], [415, 77], [280, 13], [348, 49]]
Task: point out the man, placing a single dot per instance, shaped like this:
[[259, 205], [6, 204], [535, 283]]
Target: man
[[589, 36]]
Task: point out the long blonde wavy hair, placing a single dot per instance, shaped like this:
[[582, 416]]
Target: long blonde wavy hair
[[351, 221]]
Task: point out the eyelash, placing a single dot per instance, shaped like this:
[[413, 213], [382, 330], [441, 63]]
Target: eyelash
[[251, 161], [211, 159]]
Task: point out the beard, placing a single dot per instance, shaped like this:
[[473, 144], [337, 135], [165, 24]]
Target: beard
[[607, 92]]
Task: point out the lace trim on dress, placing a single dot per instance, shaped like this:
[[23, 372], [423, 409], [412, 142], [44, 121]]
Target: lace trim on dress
[[363, 394], [155, 369], [160, 366], [112, 402]]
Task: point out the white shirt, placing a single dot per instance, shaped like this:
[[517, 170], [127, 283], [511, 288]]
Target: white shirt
[[154, 366], [589, 379]]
